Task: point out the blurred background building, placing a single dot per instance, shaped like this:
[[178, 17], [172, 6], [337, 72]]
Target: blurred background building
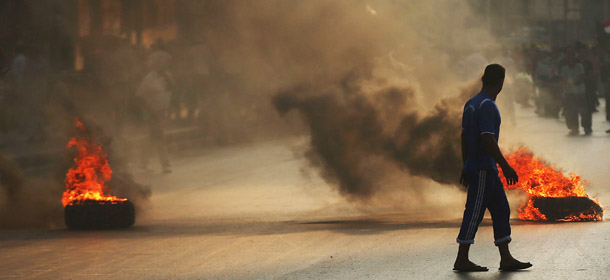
[[548, 22], [62, 29], [65, 30]]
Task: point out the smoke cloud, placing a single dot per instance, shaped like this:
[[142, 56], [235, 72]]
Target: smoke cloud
[[396, 107], [355, 134], [377, 84]]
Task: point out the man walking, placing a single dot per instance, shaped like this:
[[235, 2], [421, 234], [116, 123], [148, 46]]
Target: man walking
[[481, 155]]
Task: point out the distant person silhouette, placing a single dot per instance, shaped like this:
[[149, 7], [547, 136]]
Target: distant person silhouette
[[481, 154], [575, 103], [154, 95]]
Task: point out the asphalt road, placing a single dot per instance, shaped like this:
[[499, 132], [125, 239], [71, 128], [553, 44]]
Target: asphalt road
[[255, 211]]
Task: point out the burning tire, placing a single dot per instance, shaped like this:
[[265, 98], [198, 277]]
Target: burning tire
[[568, 208], [87, 200], [94, 214]]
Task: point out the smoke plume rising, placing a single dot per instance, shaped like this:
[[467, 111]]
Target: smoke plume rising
[[353, 134], [377, 116], [378, 84]]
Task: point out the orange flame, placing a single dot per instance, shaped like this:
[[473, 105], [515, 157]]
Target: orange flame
[[539, 179], [86, 180]]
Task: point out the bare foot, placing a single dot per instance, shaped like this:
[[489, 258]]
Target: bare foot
[[513, 264], [467, 265]]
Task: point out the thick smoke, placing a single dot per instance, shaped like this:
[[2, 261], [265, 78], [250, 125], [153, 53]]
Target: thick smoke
[[378, 83], [398, 108], [353, 132]]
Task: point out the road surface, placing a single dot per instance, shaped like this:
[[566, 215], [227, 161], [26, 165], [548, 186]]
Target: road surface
[[255, 211]]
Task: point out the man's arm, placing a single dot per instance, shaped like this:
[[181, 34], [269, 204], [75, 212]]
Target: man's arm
[[491, 146]]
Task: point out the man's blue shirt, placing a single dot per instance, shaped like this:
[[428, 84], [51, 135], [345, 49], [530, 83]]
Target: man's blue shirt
[[481, 116]]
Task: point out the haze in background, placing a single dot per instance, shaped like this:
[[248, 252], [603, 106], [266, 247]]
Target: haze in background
[[378, 85]]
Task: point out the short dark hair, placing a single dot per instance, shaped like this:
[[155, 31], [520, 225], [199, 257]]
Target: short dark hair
[[494, 75]]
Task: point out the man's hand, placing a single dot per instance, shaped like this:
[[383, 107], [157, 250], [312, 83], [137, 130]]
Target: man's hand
[[510, 174], [491, 146], [464, 179]]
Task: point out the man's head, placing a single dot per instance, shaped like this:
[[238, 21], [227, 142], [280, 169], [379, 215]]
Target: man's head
[[493, 78]]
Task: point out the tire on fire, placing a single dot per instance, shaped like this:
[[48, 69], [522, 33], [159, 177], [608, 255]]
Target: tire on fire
[[93, 214], [562, 208]]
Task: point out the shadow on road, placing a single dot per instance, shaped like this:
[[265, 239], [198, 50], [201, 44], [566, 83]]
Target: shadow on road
[[195, 227]]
